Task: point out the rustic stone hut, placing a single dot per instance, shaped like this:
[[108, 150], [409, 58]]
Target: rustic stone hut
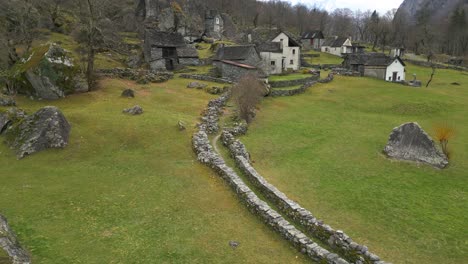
[[377, 65], [233, 62], [168, 51], [312, 39]]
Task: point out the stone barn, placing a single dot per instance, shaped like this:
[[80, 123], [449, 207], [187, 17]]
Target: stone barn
[[312, 39], [234, 61], [168, 51], [337, 46], [376, 65]]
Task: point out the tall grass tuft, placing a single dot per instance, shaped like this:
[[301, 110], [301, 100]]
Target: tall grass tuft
[[443, 133]]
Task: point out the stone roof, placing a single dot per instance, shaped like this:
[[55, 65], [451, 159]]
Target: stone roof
[[370, 59], [234, 52], [314, 34], [188, 51], [335, 42], [164, 39], [270, 47]]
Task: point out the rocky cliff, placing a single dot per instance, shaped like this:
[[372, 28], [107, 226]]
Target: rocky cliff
[[439, 10]]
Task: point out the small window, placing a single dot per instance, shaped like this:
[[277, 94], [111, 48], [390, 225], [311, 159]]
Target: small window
[[291, 62], [217, 21], [389, 78], [281, 40], [398, 77], [294, 51], [273, 63]]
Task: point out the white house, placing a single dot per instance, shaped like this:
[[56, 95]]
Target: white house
[[337, 46], [376, 65], [282, 53]]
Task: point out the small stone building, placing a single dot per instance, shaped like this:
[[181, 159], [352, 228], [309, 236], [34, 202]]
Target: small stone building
[[376, 65], [312, 39], [234, 61], [168, 51], [214, 24], [337, 46]]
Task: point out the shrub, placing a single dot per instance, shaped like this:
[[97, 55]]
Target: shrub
[[443, 133], [247, 93]]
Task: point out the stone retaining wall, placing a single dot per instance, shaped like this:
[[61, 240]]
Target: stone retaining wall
[[10, 244], [291, 92], [437, 65], [206, 155], [310, 55], [328, 79], [201, 77], [139, 75], [326, 66], [336, 239], [288, 83]]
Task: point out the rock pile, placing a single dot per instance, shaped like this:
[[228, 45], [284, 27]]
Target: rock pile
[[196, 85], [7, 101], [136, 110]]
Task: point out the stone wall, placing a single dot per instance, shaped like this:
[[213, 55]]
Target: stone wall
[[207, 155], [9, 243], [291, 92], [437, 65], [136, 74], [207, 78], [278, 84], [336, 239], [328, 79], [310, 55], [325, 66]]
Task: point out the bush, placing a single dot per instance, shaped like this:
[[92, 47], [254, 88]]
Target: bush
[[443, 133]]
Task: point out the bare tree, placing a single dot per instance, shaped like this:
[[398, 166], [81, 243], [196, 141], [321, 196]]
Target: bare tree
[[247, 93]]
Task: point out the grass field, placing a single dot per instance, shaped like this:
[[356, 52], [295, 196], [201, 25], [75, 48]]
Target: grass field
[[324, 58], [324, 149], [289, 77], [128, 189]]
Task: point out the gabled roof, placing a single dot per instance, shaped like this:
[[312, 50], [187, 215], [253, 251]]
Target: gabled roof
[[270, 47], [235, 52], [292, 41], [314, 34], [370, 59], [187, 52], [164, 39], [335, 42]]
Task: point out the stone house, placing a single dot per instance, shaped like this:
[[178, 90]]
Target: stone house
[[337, 46], [214, 24], [282, 53], [233, 62], [312, 40], [168, 51], [376, 65]]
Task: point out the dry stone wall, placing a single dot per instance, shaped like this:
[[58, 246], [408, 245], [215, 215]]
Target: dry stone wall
[[201, 77], [336, 239], [289, 83], [291, 92], [207, 155]]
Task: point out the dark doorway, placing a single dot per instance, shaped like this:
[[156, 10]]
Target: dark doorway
[[394, 77], [169, 65]]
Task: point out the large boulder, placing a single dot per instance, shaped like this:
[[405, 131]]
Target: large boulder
[[9, 117], [410, 142], [47, 128], [47, 72]]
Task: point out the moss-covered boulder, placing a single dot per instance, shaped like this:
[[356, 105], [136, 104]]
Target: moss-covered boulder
[[47, 128], [47, 72]]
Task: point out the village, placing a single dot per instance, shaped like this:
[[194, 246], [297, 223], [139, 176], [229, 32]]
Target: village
[[220, 131]]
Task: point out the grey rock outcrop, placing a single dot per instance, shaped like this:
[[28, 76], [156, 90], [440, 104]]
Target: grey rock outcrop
[[9, 243], [410, 142], [48, 73], [129, 93], [136, 110], [47, 128], [9, 117], [7, 101]]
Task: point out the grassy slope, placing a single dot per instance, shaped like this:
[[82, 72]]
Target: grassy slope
[[128, 189], [324, 149], [325, 58]]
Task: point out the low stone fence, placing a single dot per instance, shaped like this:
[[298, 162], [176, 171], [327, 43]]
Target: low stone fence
[[336, 239], [206, 155], [310, 55], [278, 84], [346, 72], [437, 65], [291, 92], [201, 77], [9, 243], [139, 75], [326, 66], [328, 79]]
